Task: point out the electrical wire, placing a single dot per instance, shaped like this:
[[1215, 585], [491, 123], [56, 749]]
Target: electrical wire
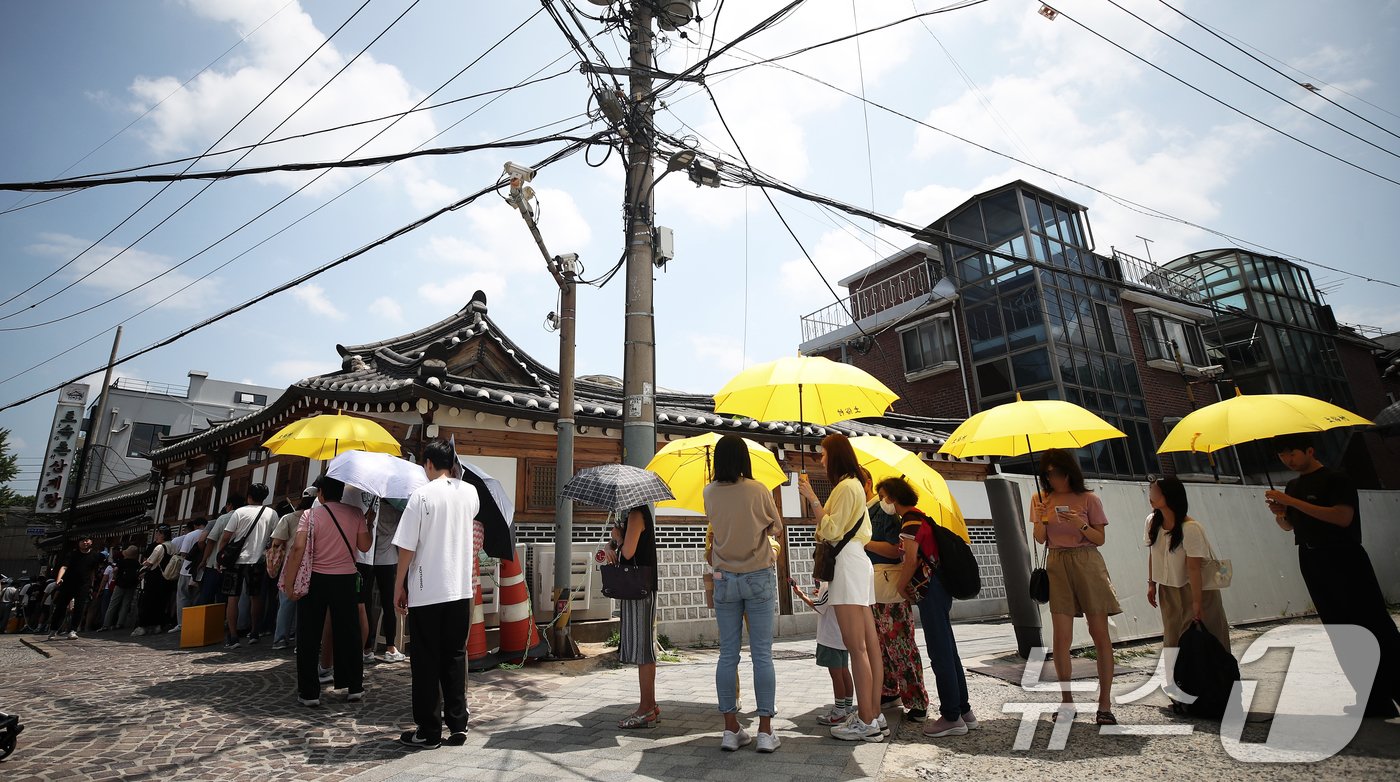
[[1222, 102], [1291, 80], [20, 204], [1120, 200], [158, 193], [1222, 65], [284, 199], [295, 281]]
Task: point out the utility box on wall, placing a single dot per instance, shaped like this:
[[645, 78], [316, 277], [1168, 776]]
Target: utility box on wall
[[586, 583]]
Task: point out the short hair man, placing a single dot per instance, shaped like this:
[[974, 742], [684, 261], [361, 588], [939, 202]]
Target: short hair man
[[206, 571], [434, 538], [1321, 509], [74, 584], [248, 527], [186, 590]]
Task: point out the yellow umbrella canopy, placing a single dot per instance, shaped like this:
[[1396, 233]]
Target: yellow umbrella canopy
[[810, 389], [326, 436], [884, 459], [1022, 427], [687, 466], [1248, 417]]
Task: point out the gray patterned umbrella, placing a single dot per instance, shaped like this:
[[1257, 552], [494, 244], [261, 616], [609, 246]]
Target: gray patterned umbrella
[[617, 487]]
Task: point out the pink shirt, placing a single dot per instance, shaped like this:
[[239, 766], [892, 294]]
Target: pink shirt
[[1067, 534], [331, 555]]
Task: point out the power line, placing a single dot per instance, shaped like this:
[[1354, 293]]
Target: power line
[[1362, 139], [292, 283], [233, 173], [148, 201], [1229, 106], [1120, 200], [1238, 48], [289, 196], [20, 204]]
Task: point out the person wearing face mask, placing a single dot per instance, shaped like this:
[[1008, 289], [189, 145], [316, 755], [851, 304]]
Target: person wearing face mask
[[894, 620]]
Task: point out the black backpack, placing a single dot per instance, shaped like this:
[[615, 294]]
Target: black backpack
[[956, 567], [1206, 669]]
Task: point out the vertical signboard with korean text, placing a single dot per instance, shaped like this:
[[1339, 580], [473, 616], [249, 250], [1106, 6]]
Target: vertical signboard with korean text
[[62, 448]]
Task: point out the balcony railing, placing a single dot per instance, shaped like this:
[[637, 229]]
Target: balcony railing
[[150, 387], [908, 285], [1144, 274]]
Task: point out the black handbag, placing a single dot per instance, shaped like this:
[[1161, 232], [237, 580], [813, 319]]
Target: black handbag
[[627, 582], [824, 555], [1040, 579]]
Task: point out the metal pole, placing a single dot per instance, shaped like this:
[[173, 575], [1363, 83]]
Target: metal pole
[[1010, 527], [98, 419], [639, 346], [563, 644], [564, 269]]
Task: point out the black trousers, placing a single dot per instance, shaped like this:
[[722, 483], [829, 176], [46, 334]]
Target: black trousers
[[1343, 586], [388, 616], [334, 594], [438, 663], [80, 600]]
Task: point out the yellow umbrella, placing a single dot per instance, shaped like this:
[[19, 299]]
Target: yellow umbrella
[[810, 389], [1020, 427], [1248, 417], [326, 436], [687, 467], [884, 459]]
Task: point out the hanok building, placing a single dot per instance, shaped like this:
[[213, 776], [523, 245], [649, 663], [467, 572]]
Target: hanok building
[[462, 378]]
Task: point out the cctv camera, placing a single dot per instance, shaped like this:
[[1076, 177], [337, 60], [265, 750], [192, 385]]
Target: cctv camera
[[517, 171]]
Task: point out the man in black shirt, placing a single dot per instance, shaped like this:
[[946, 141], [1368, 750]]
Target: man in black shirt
[[74, 584], [1321, 509]]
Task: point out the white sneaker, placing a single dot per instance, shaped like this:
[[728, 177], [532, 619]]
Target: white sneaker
[[72, 635], [767, 742], [731, 741], [970, 721], [139, 631], [883, 725], [367, 657], [174, 629], [325, 675], [395, 657], [835, 716], [857, 730]]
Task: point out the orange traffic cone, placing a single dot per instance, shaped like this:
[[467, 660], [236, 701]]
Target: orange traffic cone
[[520, 639], [478, 658]]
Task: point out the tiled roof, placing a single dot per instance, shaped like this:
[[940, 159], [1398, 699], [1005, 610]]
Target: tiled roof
[[394, 373]]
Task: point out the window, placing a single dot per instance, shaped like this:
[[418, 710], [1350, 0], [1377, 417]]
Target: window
[[929, 345], [145, 438], [246, 398], [994, 378], [1163, 336]]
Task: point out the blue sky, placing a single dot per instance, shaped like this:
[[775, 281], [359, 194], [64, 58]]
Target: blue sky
[[77, 74]]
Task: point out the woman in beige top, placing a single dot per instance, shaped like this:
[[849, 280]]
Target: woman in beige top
[[742, 515]]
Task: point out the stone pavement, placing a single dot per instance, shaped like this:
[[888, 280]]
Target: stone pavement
[[116, 707]]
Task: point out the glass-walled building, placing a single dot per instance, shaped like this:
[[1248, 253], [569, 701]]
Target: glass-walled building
[[1278, 339], [1043, 333]]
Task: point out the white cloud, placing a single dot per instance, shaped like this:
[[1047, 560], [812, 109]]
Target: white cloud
[[313, 297], [284, 373], [495, 250], [108, 270], [723, 355], [837, 254], [188, 119], [387, 309]]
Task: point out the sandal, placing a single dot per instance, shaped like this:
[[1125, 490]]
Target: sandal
[[1105, 718], [644, 720]]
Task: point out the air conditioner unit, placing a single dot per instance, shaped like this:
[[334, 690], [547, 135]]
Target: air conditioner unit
[[586, 584], [490, 593]]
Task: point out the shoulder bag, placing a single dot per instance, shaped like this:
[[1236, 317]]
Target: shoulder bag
[[627, 580], [1040, 579], [171, 568], [1215, 573], [301, 584], [824, 555]]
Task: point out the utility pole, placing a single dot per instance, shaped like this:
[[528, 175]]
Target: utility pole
[[99, 415], [564, 269], [639, 347]]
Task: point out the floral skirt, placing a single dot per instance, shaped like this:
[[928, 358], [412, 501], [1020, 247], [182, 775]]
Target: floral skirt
[[904, 668]]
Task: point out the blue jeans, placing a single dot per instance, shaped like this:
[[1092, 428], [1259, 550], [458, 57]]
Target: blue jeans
[[286, 618], [948, 672], [739, 596]]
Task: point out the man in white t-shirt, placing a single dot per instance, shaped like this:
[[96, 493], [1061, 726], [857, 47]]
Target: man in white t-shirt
[[207, 573], [433, 586], [251, 525], [185, 587]]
